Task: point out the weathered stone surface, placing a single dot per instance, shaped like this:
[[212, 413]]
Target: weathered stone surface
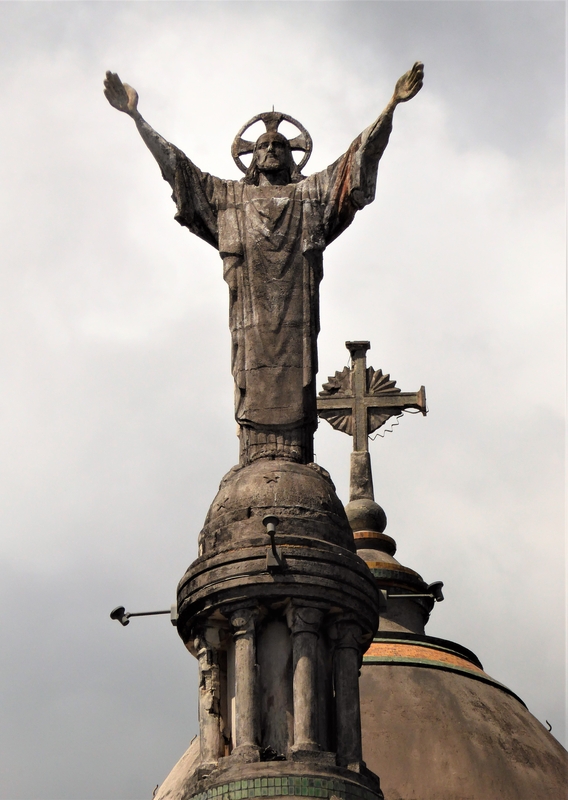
[[298, 588], [173, 787], [275, 666], [305, 625], [278, 578], [301, 496], [324, 577], [437, 733], [271, 229], [246, 729], [363, 513], [410, 614], [294, 777]]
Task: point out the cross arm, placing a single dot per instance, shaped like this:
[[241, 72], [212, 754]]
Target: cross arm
[[400, 400]]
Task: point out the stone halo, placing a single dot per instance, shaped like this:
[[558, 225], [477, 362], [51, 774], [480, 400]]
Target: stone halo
[[272, 120]]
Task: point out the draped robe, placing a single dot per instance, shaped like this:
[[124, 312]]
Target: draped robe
[[271, 240]]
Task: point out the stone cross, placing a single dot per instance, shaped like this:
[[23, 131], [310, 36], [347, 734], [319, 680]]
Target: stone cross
[[358, 401]]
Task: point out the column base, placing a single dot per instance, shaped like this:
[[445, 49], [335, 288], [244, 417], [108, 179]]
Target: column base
[[246, 754], [304, 747], [276, 779], [316, 757]]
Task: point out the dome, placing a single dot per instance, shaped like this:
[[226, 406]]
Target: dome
[[436, 727], [302, 496], [310, 557]]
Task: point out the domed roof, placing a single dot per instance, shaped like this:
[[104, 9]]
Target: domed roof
[[437, 727], [302, 496]]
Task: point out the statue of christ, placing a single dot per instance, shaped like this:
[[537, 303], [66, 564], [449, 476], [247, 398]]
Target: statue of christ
[[271, 229]]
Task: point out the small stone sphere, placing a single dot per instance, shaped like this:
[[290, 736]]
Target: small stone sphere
[[366, 515]]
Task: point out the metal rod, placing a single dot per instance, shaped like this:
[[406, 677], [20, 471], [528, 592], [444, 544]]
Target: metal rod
[[146, 613]]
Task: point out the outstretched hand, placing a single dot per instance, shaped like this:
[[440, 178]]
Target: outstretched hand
[[410, 83], [120, 95]]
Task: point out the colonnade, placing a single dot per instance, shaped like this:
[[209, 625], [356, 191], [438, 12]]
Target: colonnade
[[306, 625]]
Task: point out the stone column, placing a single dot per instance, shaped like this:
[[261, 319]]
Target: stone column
[[304, 624], [243, 623], [347, 660], [209, 699]]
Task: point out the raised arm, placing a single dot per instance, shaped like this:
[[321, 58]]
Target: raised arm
[[349, 183], [124, 98], [406, 88]]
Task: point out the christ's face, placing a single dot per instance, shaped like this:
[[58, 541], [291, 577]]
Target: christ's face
[[272, 152]]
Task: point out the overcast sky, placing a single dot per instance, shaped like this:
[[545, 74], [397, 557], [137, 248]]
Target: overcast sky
[[117, 420]]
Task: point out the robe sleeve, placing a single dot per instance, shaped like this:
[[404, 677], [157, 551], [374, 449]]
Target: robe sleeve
[[349, 183], [197, 196]]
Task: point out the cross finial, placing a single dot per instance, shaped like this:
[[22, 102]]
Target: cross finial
[[358, 401]]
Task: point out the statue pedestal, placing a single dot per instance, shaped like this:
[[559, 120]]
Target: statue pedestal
[[279, 640]]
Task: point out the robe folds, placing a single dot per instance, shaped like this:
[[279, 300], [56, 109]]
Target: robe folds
[[271, 240]]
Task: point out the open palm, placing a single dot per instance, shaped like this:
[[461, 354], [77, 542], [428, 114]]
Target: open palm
[[410, 83], [120, 95]]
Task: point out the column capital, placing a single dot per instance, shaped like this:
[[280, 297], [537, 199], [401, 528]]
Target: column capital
[[207, 636], [243, 620], [347, 632], [304, 619]]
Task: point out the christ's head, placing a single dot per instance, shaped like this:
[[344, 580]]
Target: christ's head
[[272, 158], [272, 152]]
